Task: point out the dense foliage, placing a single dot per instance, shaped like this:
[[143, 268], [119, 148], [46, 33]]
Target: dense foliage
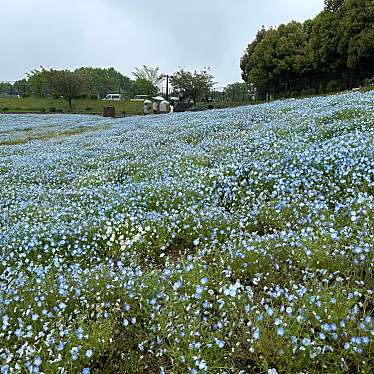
[[101, 81], [334, 51], [233, 240], [192, 84], [98, 83]]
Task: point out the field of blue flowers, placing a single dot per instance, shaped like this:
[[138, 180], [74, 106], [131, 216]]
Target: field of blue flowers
[[227, 241]]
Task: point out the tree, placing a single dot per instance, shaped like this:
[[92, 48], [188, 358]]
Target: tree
[[67, 84], [239, 91], [356, 21], [39, 83], [22, 87], [275, 58], [192, 84], [5, 87], [144, 87], [334, 6], [335, 50], [245, 61], [101, 81], [150, 74]]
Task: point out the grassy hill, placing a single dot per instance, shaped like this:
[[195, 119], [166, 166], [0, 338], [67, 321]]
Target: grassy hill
[[226, 241]]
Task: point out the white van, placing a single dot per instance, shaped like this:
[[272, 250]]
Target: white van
[[113, 97]]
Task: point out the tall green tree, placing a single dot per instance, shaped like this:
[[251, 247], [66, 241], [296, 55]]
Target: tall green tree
[[192, 84], [246, 63], [333, 51], [356, 28]]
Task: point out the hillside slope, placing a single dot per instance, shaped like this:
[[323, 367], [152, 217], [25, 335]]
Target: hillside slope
[[233, 240]]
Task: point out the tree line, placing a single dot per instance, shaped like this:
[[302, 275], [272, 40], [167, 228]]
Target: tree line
[[96, 83], [332, 52]]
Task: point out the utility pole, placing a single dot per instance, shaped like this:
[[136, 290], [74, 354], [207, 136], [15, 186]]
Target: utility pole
[[167, 87]]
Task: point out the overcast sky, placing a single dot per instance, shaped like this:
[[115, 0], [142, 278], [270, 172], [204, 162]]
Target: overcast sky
[[129, 33]]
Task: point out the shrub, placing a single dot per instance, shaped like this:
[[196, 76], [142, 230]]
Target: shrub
[[59, 110], [52, 109], [42, 110], [88, 109], [5, 109]]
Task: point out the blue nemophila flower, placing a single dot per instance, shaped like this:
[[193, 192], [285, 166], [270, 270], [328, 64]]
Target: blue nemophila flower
[[256, 334], [280, 331], [204, 280], [86, 371], [126, 307], [199, 289], [220, 343], [207, 304], [88, 353], [306, 342], [269, 311]]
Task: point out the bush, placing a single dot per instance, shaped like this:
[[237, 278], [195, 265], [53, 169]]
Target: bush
[[88, 109], [25, 94], [42, 110], [93, 97], [52, 109], [5, 109], [59, 110]]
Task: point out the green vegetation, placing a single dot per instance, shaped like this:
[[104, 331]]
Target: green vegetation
[[332, 52], [43, 105], [193, 85]]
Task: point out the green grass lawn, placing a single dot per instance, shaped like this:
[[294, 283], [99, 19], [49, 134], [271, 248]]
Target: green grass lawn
[[48, 105]]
